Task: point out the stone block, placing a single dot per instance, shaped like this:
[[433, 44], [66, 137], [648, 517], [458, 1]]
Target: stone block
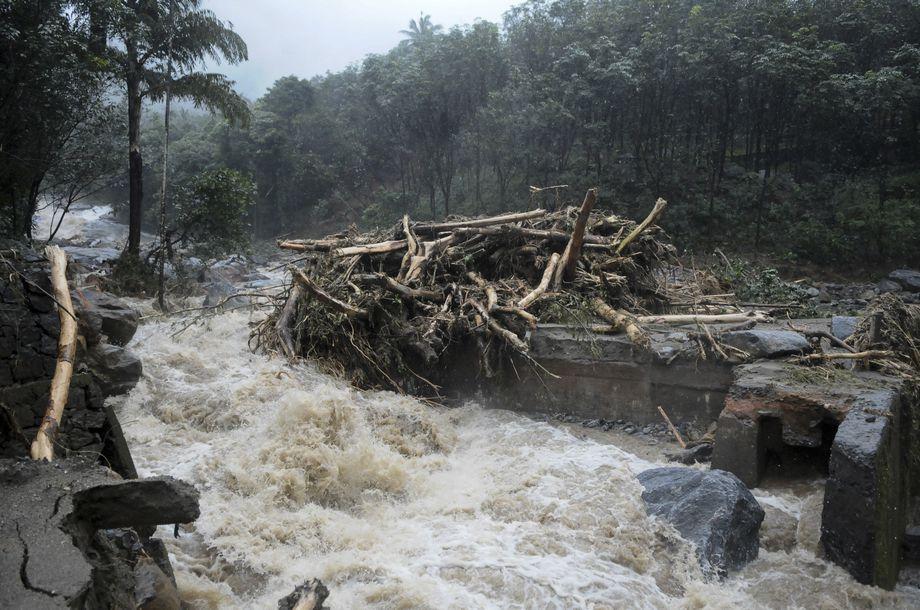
[[766, 343]]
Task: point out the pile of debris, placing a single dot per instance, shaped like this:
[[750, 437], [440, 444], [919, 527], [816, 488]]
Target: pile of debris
[[382, 307]]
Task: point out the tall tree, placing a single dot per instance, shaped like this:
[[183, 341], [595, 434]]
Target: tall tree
[[51, 87], [421, 30], [142, 31]]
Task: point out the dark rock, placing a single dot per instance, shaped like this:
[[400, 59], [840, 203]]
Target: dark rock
[[909, 279], [153, 589], [101, 313], [887, 285], [698, 454], [153, 501], [713, 510], [309, 595], [843, 327], [116, 368], [767, 343]]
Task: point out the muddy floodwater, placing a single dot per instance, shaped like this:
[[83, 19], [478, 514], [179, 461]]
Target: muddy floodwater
[[394, 503]]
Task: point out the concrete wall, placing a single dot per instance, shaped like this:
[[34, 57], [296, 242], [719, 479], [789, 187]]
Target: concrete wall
[[595, 376]]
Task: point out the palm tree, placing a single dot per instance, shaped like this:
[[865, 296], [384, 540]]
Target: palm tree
[[421, 30], [150, 47]]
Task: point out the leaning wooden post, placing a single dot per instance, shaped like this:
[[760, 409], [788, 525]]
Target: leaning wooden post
[[43, 445], [566, 270]]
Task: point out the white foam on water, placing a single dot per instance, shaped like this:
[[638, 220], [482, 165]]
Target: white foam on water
[[397, 504]]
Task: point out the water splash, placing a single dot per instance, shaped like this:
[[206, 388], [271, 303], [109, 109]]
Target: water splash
[[398, 504]]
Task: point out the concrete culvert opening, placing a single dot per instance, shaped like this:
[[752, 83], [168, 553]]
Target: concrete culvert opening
[[783, 460]]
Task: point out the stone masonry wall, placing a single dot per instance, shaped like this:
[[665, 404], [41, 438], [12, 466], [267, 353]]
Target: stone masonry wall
[[29, 329]]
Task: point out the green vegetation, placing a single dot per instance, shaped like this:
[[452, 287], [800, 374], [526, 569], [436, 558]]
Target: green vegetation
[[786, 128]]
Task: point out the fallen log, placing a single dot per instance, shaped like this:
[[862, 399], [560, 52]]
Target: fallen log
[[822, 334], [378, 248], [497, 328], [312, 245], [43, 444], [418, 263], [284, 323], [549, 234], [326, 298], [517, 311], [660, 205], [440, 227], [722, 318], [395, 287], [871, 354], [544, 282], [566, 269], [621, 321], [491, 295]]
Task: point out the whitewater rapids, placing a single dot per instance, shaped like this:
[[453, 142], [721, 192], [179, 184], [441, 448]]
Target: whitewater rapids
[[394, 503]]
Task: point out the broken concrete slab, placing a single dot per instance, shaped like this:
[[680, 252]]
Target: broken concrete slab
[[854, 424], [51, 556], [713, 510], [774, 407], [767, 343], [139, 502], [867, 491]]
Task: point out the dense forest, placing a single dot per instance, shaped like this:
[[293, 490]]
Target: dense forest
[[782, 127]]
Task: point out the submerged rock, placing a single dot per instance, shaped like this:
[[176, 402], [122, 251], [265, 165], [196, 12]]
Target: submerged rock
[[698, 454], [713, 510], [308, 596], [767, 343]]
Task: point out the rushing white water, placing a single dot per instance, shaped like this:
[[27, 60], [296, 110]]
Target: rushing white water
[[398, 504]]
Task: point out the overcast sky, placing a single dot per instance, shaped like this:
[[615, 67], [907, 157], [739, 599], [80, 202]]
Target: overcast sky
[[310, 37]]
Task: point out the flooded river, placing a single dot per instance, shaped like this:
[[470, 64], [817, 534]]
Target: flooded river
[[397, 504], [394, 503]]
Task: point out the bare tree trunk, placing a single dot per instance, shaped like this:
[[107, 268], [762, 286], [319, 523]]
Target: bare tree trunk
[[43, 445], [135, 166], [164, 247]]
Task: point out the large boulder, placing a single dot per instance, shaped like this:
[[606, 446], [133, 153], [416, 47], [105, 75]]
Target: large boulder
[[101, 313], [909, 279], [712, 509], [763, 343], [116, 369]]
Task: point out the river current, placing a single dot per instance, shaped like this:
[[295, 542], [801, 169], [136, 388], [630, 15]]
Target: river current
[[396, 503]]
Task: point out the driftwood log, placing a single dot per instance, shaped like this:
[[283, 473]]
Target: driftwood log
[[43, 445]]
